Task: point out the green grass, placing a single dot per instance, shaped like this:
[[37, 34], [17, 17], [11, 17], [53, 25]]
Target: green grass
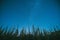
[[36, 34]]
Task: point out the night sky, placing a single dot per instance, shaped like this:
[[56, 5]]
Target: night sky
[[24, 13]]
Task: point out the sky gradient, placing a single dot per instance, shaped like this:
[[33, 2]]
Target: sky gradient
[[24, 13]]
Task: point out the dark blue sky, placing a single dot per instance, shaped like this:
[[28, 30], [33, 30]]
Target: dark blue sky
[[43, 13]]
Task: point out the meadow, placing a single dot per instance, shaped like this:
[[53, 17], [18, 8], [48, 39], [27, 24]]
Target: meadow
[[36, 34]]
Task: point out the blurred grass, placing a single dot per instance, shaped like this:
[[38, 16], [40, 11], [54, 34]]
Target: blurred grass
[[36, 34]]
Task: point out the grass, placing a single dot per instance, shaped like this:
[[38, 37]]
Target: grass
[[36, 34]]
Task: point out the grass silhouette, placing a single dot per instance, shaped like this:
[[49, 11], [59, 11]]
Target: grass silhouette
[[36, 34]]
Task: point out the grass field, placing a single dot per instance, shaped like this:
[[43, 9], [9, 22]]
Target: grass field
[[36, 34]]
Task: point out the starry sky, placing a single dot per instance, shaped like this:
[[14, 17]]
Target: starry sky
[[24, 13]]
